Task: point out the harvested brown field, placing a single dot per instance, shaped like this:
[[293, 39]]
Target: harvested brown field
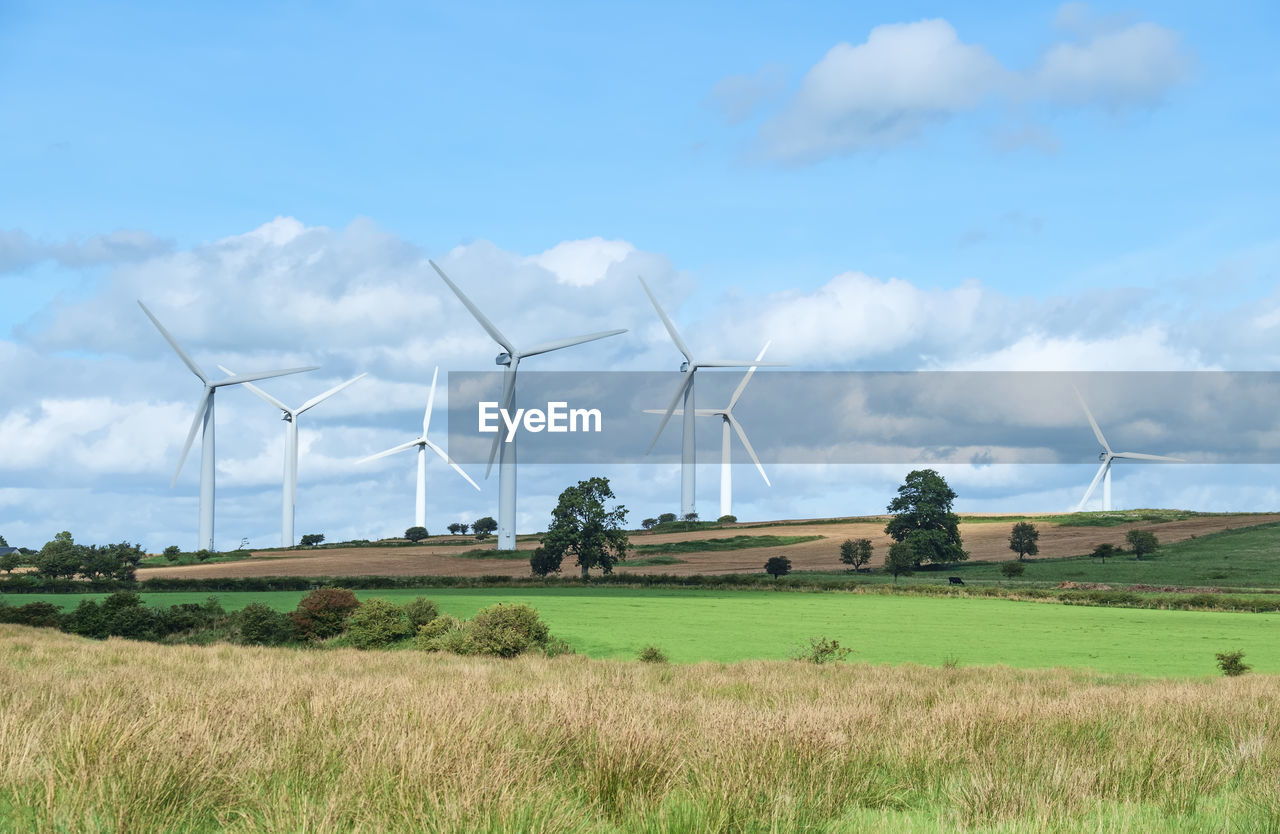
[[985, 540]]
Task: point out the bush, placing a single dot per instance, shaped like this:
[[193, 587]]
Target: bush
[[416, 534], [311, 539], [1010, 570], [429, 634], [421, 611], [172, 553], [666, 518], [203, 555], [821, 650], [377, 623], [258, 624], [38, 614], [1232, 664], [649, 523], [323, 613], [727, 519], [506, 630], [652, 654]]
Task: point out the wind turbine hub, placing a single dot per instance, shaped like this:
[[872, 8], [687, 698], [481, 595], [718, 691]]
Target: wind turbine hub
[[286, 416], [684, 367], [1102, 456], [503, 358]]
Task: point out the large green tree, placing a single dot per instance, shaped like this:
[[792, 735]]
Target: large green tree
[[60, 558], [922, 517], [582, 526], [1023, 538]]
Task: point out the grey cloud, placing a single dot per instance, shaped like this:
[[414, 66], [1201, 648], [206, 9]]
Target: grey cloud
[[18, 250]]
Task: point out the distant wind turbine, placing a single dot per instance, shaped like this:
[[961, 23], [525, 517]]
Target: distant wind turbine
[[204, 420], [290, 417], [727, 419], [1107, 457], [689, 367], [506, 452], [423, 443]]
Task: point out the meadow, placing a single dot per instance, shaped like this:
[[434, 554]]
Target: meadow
[[726, 626], [119, 736]]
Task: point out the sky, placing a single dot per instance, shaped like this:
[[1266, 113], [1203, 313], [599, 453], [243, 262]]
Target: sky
[[873, 186]]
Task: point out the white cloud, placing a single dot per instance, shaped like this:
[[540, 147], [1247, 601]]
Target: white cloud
[[581, 263], [1118, 70], [18, 250]]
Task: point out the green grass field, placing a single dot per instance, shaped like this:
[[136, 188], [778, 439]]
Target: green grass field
[[727, 626]]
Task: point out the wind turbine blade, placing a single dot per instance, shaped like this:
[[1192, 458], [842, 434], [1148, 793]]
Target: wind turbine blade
[[739, 363], [493, 332], [1097, 432], [431, 401], [742, 386], [666, 418], [236, 380], [508, 397], [393, 450], [173, 343], [315, 401], [564, 343], [191, 435], [1093, 485], [449, 460], [742, 435], [256, 390], [671, 328], [1140, 456], [679, 412]]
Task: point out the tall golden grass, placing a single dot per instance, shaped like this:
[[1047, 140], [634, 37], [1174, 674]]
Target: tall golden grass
[[133, 737]]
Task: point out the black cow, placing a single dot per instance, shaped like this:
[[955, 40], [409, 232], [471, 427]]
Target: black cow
[[955, 580]]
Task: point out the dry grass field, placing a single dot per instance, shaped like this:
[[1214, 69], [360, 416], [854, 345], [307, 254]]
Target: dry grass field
[[128, 737], [984, 540]]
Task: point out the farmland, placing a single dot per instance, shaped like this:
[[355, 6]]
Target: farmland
[[726, 626], [121, 736]]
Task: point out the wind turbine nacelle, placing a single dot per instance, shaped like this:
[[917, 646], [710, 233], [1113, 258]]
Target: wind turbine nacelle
[[286, 416], [684, 367], [503, 358], [1102, 456]]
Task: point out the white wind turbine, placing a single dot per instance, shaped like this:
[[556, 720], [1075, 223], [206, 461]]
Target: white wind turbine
[[689, 367], [423, 443], [506, 451], [290, 417], [727, 419], [1107, 457], [204, 420]]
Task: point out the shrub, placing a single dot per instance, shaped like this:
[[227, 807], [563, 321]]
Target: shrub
[[87, 620], [311, 539], [172, 553], [727, 519], [429, 634], [39, 614], [1010, 570], [377, 623], [666, 518], [421, 611], [258, 624], [203, 555], [555, 647], [1232, 663], [416, 534], [652, 654], [323, 613], [649, 523], [821, 650], [690, 517], [506, 630]]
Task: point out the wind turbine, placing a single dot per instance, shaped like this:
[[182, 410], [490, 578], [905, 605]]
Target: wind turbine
[[727, 419], [689, 367], [204, 421], [506, 452], [290, 417], [1107, 456], [423, 443]]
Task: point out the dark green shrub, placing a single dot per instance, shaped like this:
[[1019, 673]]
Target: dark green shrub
[[429, 634], [87, 620], [416, 534], [324, 612], [38, 614], [821, 650], [377, 623], [556, 647], [258, 624], [421, 611], [1232, 663], [652, 654], [173, 553], [727, 519], [506, 630], [1011, 570]]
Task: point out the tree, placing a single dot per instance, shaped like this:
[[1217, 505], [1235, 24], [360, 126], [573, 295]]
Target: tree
[[1023, 538], [901, 560], [690, 517], [312, 539], [60, 558], [649, 523], [1012, 570], [173, 553], [666, 518], [484, 527], [416, 534], [3, 543], [922, 516], [777, 566], [1103, 552], [581, 525], [9, 561], [455, 528], [1142, 543], [856, 552], [324, 612]]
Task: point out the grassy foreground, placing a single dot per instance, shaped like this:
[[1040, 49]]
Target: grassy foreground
[[120, 736], [696, 625]]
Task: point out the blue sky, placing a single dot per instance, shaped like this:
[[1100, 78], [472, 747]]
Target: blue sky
[[897, 186]]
